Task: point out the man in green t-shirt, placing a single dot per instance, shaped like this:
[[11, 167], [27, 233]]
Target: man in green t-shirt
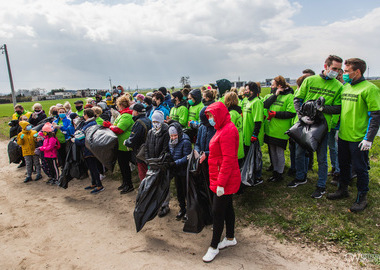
[[359, 124], [322, 85], [79, 107]]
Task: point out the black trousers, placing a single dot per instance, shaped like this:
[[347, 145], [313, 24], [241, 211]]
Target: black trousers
[[62, 155], [53, 167], [92, 165], [223, 211], [180, 184], [123, 158]]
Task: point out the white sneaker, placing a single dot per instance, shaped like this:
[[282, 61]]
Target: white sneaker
[[227, 243], [210, 255], [102, 176]]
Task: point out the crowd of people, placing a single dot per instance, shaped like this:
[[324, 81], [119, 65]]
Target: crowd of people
[[220, 123]]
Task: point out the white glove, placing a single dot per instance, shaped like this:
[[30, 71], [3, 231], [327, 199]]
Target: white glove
[[72, 140], [365, 145], [307, 120], [219, 191]]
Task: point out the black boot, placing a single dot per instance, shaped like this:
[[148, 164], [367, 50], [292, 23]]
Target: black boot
[[273, 178], [341, 193], [360, 204]]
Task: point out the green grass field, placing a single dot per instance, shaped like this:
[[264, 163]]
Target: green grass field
[[292, 214]]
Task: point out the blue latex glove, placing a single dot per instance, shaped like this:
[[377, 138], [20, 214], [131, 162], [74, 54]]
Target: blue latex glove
[[22, 136], [35, 135]]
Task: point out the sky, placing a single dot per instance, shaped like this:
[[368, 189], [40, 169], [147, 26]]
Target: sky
[[75, 44]]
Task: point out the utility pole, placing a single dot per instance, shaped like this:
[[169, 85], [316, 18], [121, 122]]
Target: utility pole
[[368, 72], [110, 84], [4, 50]]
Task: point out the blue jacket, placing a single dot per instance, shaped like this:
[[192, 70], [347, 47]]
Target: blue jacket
[[180, 151], [168, 101], [162, 108], [67, 128], [81, 143], [205, 133]]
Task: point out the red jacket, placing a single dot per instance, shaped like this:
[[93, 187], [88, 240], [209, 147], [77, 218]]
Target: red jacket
[[223, 160]]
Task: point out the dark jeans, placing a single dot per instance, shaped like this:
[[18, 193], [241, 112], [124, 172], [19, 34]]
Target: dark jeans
[[349, 155], [223, 211], [123, 158], [180, 184], [62, 155], [92, 165]]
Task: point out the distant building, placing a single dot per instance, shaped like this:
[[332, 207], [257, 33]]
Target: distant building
[[238, 84]]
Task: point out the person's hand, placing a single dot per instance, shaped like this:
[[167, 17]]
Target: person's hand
[[72, 140], [320, 104], [271, 114], [365, 145], [253, 138], [279, 90], [107, 124], [203, 157], [219, 191], [54, 124], [22, 136]]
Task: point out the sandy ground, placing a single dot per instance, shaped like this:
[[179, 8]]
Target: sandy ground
[[46, 227]]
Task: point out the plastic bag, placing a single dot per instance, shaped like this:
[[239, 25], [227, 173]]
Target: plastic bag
[[153, 190], [198, 209], [14, 128], [251, 165], [14, 151], [103, 143], [74, 167], [40, 124]]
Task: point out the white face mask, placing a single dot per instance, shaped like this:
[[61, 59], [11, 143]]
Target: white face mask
[[157, 126], [332, 74]]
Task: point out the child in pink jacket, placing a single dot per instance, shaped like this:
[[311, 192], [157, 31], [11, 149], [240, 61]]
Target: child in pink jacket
[[50, 148]]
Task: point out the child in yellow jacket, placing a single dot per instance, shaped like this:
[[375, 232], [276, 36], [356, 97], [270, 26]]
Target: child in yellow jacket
[[27, 140]]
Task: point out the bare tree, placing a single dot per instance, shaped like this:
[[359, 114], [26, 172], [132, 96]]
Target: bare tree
[[184, 80]]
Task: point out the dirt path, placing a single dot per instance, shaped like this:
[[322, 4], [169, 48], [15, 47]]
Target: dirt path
[[46, 227]]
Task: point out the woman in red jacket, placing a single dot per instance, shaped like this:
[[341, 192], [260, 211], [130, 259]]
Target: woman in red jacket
[[225, 176]]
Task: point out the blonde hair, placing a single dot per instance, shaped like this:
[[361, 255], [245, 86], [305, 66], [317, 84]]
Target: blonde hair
[[97, 110], [89, 100], [241, 90], [234, 89], [52, 109], [36, 105], [61, 108], [59, 105], [23, 118], [67, 106], [231, 99], [210, 94], [123, 101]]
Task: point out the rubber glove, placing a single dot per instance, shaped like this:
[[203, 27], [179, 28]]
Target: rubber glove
[[271, 114], [219, 191], [22, 136], [365, 145], [253, 138], [107, 124]]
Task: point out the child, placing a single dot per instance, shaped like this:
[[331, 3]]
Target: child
[[50, 148], [28, 144]]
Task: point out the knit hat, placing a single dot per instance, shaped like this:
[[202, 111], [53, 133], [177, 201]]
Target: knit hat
[[23, 124], [172, 130], [138, 107], [158, 116], [135, 94], [48, 127], [141, 96], [108, 94], [88, 106], [149, 94]]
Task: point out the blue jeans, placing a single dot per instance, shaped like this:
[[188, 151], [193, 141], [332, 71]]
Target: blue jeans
[[292, 150], [302, 166], [350, 156], [333, 146]]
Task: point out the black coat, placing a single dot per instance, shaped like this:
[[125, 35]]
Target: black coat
[[34, 119], [157, 144], [139, 132]]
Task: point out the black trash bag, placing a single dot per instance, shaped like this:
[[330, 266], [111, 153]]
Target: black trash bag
[[103, 143], [40, 124], [13, 131], [309, 134], [252, 164], [198, 209], [153, 190], [14, 151], [74, 167]]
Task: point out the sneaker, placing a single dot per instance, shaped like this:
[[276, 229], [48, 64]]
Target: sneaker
[[184, 218], [90, 187], [341, 193], [102, 176], [97, 190], [48, 182], [227, 243], [28, 179], [296, 182], [127, 190], [210, 255], [163, 211], [121, 187], [180, 214], [317, 194], [258, 181], [38, 177], [54, 182]]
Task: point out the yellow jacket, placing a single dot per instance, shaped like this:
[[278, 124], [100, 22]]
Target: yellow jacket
[[15, 116], [28, 143]]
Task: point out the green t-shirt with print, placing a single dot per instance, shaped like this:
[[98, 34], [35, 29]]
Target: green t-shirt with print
[[237, 119], [194, 112], [357, 101], [315, 86], [60, 136], [277, 127], [180, 115], [253, 112]]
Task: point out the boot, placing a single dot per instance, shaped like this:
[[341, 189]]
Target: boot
[[273, 178], [360, 204], [341, 193]]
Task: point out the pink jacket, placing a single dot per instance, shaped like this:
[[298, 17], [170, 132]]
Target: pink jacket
[[50, 147]]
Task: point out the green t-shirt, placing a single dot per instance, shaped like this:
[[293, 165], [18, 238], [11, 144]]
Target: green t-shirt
[[315, 86], [180, 115], [194, 112], [276, 127], [80, 113], [124, 122], [221, 99], [60, 136], [237, 119], [253, 112], [99, 121], [243, 102], [357, 101]]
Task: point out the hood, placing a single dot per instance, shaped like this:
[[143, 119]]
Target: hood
[[178, 127], [224, 85], [220, 113], [203, 117], [23, 124], [182, 103], [197, 95]]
